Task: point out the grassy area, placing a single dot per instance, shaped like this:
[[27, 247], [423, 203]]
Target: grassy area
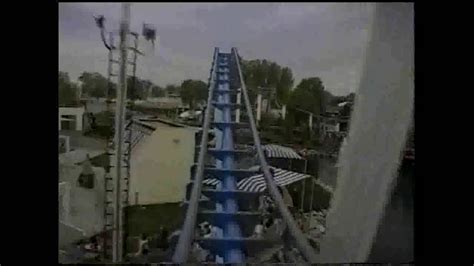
[[148, 218]]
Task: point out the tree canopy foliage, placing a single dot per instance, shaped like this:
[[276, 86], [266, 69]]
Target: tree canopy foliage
[[172, 89], [193, 92], [157, 91], [67, 91], [308, 96], [264, 74], [93, 84]]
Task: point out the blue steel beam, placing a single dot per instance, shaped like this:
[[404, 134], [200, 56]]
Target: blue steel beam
[[232, 254]]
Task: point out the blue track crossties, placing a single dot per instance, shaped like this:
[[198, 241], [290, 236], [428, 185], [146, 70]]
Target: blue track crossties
[[233, 211], [225, 141]]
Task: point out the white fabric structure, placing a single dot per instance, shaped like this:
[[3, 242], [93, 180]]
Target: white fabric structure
[[277, 151], [210, 182], [282, 178], [257, 183]]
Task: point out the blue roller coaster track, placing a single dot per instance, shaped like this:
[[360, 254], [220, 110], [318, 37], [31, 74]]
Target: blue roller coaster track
[[222, 207]]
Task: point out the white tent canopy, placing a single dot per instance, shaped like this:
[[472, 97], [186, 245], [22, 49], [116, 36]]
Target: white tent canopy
[[277, 151], [257, 183]]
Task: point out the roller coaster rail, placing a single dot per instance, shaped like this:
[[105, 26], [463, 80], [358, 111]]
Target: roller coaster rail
[[184, 243]]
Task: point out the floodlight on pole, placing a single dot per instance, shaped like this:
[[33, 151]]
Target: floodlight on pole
[[100, 22], [149, 32]]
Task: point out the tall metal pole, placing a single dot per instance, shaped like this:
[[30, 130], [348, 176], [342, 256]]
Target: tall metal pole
[[119, 129], [107, 195], [134, 67]]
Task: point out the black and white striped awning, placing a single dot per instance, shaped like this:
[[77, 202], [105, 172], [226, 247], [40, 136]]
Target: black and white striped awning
[[277, 151], [257, 183], [210, 182]]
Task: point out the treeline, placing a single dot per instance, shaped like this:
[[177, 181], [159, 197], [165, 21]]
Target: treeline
[[274, 81], [277, 84], [92, 84]]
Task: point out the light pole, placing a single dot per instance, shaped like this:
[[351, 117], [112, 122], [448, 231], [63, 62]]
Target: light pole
[[117, 197]]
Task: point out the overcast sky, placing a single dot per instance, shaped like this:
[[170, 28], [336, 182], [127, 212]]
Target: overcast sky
[[326, 40]]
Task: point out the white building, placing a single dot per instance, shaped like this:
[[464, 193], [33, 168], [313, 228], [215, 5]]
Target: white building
[[329, 126], [71, 118], [160, 163]]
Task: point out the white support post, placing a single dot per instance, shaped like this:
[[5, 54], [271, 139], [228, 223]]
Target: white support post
[[259, 108], [303, 186], [67, 144], [283, 112], [79, 118], [312, 195], [237, 111]]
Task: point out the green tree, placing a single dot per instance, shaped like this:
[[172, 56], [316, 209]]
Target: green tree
[[307, 96], [274, 75], [277, 80], [67, 90], [346, 110], [137, 90], [289, 125], [93, 84], [172, 89], [284, 85], [146, 89], [193, 92], [157, 91]]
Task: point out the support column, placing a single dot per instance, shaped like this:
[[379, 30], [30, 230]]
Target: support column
[[237, 111], [303, 186], [119, 132], [259, 108], [79, 117], [312, 195]]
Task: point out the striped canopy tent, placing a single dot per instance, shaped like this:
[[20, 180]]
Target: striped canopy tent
[[277, 151], [257, 183]]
